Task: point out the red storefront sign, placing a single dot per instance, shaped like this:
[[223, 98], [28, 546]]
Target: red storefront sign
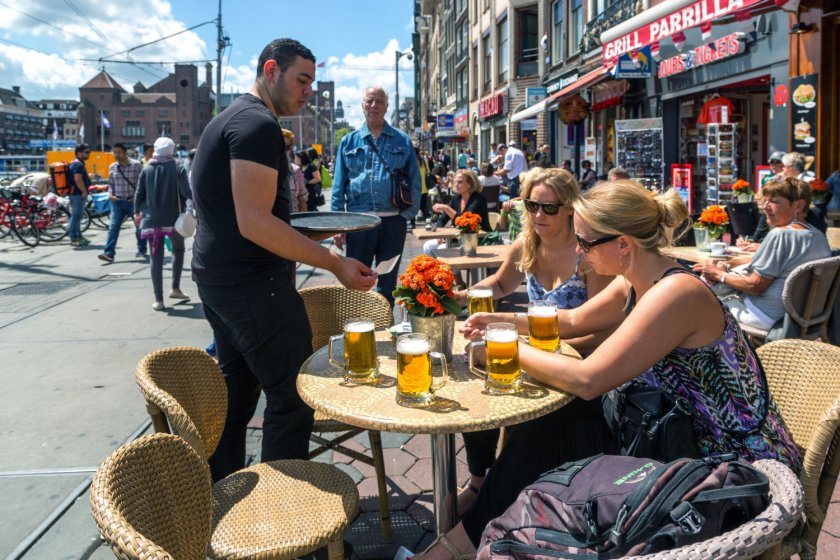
[[692, 15], [704, 54], [492, 106]]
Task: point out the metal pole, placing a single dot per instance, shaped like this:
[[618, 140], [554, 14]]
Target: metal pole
[[219, 47], [443, 481], [398, 54], [101, 132]]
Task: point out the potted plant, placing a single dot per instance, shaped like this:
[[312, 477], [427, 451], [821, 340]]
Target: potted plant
[[468, 224], [743, 191], [425, 293], [710, 226], [820, 194]]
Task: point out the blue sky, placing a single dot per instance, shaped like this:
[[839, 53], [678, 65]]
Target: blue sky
[[355, 38]]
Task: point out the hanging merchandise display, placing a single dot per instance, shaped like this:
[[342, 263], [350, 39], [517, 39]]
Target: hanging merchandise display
[[722, 160], [639, 150], [716, 110]]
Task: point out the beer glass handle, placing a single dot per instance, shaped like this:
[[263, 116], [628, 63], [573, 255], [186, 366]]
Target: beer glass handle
[[333, 361], [445, 377], [473, 368]]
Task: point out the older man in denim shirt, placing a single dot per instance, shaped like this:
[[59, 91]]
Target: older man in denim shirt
[[362, 183]]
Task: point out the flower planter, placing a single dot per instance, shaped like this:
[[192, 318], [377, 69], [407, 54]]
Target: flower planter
[[744, 198], [440, 330], [702, 239], [468, 243]]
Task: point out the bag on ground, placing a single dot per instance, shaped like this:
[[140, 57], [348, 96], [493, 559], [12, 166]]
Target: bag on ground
[[610, 506]]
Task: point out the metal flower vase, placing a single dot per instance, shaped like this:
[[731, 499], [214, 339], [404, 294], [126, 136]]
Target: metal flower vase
[[468, 243], [702, 239], [744, 198], [440, 330]]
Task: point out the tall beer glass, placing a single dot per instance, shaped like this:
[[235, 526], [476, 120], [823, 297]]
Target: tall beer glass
[[480, 300], [503, 375], [360, 365], [543, 329], [415, 381]]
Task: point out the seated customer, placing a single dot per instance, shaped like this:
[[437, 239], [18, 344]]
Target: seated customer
[[789, 244], [810, 214], [544, 257], [671, 331], [467, 199]]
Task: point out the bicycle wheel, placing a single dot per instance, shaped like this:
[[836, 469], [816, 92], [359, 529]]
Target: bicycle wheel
[[85, 223], [101, 220], [26, 230], [56, 223], [5, 225]]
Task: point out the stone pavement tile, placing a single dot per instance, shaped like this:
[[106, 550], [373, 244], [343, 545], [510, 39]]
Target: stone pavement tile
[[421, 474], [365, 535], [420, 446], [397, 461], [401, 493], [363, 440], [391, 439], [352, 471], [422, 509], [365, 469]]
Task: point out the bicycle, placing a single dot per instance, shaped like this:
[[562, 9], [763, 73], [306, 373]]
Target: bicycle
[[13, 218]]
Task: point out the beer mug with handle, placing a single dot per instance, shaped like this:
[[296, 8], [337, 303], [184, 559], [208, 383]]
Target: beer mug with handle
[[543, 330], [480, 300], [360, 364], [503, 375], [415, 380]]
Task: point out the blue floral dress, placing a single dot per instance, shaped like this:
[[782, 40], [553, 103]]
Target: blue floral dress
[[568, 295]]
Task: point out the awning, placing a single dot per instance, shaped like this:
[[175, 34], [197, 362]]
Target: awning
[[586, 79], [531, 111], [663, 20]]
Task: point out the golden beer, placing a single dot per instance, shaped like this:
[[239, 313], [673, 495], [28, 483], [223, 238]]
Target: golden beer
[[359, 350], [414, 370], [480, 300], [543, 330], [503, 373]]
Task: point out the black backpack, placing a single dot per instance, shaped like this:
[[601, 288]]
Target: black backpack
[[610, 506]]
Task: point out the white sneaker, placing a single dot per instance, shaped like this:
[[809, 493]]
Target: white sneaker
[[158, 306], [176, 293]]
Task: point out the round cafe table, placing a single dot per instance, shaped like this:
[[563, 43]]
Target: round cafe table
[[460, 406]]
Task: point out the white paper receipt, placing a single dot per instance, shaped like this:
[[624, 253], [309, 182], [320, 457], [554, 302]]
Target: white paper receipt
[[386, 266]]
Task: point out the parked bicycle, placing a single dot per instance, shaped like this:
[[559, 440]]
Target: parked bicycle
[[14, 218]]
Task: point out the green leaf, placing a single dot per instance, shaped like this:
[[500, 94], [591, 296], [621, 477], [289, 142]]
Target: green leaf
[[451, 306]]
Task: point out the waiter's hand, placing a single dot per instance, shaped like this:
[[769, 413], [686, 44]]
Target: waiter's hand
[[355, 275], [339, 241]]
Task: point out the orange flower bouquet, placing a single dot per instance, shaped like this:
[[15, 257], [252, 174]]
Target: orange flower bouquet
[[468, 222], [425, 289], [715, 220], [819, 191], [742, 187]]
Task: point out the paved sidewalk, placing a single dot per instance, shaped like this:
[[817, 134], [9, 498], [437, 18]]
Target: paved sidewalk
[[72, 330]]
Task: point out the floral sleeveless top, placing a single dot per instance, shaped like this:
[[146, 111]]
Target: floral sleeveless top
[[723, 385], [568, 295]]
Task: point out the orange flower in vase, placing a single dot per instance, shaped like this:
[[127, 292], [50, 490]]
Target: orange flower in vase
[[743, 189], [468, 222], [425, 289], [715, 220], [819, 191]]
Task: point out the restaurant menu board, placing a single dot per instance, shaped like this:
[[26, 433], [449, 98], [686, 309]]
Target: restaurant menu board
[[804, 119], [683, 183], [639, 150]]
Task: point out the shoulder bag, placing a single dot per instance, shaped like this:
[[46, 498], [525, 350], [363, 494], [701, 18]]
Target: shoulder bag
[[185, 224], [402, 196]]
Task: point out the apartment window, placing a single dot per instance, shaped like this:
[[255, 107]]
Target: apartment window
[[125, 113], [464, 40], [164, 112], [528, 49], [596, 7], [165, 128], [474, 77], [141, 112], [502, 54], [133, 129], [557, 32], [460, 6], [575, 25], [487, 69], [184, 139], [462, 85]]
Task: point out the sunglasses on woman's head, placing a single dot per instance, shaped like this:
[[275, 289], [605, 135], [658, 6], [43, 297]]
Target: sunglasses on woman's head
[[550, 208], [586, 246]]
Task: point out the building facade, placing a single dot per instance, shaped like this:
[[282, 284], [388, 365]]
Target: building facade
[[21, 121]]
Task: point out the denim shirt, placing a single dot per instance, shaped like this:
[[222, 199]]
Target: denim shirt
[[361, 183]]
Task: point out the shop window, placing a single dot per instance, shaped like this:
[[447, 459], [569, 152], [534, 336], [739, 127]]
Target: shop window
[[527, 47], [502, 56], [575, 25], [557, 32]]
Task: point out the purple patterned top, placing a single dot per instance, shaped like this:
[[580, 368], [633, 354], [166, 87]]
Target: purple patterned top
[[724, 386]]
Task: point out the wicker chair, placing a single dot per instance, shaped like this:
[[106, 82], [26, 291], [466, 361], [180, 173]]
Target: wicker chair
[[758, 538], [808, 295], [804, 379], [278, 509], [328, 307]]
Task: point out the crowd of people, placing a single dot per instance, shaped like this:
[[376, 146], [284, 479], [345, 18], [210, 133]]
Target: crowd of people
[[593, 248]]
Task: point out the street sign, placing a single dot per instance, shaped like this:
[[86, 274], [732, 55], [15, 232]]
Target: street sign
[[52, 143]]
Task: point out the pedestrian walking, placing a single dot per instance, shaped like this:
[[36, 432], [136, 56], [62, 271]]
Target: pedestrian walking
[[123, 176]]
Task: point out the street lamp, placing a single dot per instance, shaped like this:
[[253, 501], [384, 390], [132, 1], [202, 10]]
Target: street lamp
[[397, 56]]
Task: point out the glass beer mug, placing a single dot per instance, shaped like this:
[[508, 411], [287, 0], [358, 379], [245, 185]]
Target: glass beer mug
[[480, 300], [360, 364], [415, 383], [503, 375], [543, 330]]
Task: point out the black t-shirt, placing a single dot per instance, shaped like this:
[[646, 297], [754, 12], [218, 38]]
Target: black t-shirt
[[246, 130]]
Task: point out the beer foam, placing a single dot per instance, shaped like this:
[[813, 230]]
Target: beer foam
[[501, 335], [542, 311], [480, 292], [359, 326], [412, 347]]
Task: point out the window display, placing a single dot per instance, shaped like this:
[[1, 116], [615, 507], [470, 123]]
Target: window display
[[639, 150]]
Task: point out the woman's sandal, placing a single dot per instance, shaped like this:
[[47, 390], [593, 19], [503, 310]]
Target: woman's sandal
[[456, 554]]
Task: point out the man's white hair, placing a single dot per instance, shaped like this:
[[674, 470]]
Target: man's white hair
[[375, 88]]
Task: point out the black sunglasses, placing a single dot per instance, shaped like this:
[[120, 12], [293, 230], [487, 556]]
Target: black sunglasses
[[586, 246], [549, 208]]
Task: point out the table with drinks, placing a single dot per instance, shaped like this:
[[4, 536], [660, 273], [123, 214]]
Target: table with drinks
[[487, 256], [371, 380], [695, 255]]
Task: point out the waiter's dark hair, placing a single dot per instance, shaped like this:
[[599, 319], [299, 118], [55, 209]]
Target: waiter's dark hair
[[283, 52]]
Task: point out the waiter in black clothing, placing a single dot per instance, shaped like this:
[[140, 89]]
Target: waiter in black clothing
[[242, 253]]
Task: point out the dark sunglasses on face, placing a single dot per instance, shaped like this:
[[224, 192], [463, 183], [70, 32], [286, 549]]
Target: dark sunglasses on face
[[549, 208], [586, 246]]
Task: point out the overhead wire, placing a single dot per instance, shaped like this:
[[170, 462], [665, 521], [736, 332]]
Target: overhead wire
[[91, 25], [53, 26]]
